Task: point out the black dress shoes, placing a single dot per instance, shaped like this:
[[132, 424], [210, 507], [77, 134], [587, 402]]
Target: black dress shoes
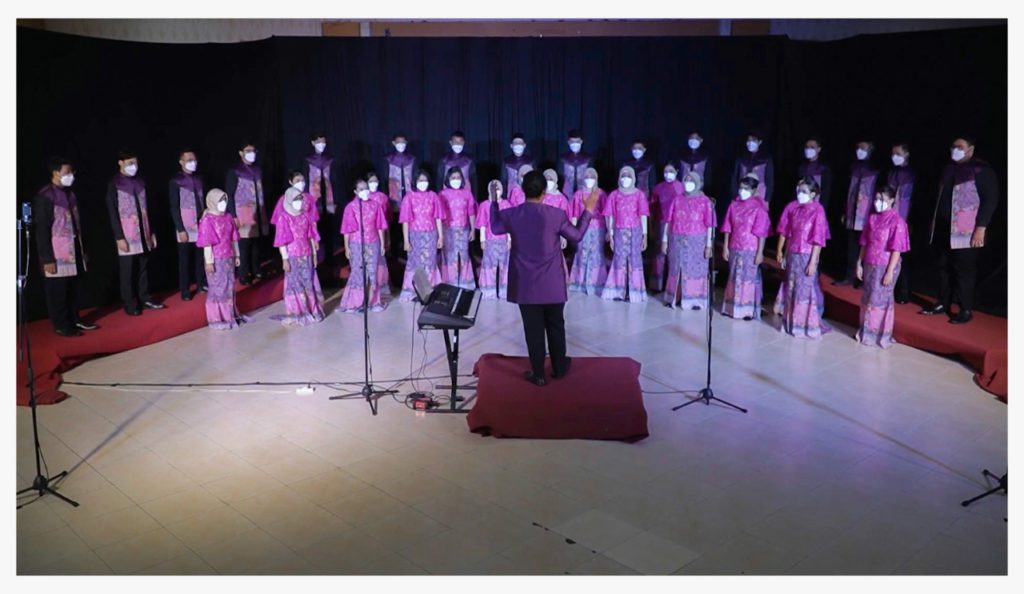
[[962, 317], [186, 296], [933, 310], [538, 381], [565, 369], [151, 305], [68, 333], [132, 312], [85, 326]]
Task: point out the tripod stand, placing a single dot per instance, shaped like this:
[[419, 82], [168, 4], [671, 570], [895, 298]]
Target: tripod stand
[[41, 483], [1002, 486], [706, 395], [368, 391]]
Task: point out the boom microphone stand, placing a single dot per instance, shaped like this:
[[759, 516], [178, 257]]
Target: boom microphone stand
[[369, 392], [706, 395], [41, 483]]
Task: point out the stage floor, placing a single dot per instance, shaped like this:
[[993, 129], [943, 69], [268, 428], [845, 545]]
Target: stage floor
[[851, 461]]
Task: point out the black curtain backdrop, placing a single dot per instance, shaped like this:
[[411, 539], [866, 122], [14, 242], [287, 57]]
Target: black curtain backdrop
[[84, 98]]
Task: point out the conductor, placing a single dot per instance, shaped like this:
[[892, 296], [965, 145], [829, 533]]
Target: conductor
[[536, 272]]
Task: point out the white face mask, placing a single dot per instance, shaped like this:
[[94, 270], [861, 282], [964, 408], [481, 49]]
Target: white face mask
[[299, 185], [422, 186], [575, 146], [190, 165], [319, 147], [400, 147], [958, 154], [689, 186], [745, 194], [810, 153], [803, 197], [67, 180], [249, 156], [693, 143], [637, 153], [670, 176], [373, 186], [363, 194], [752, 145], [222, 206], [458, 148], [861, 154], [590, 183], [518, 149], [881, 205], [297, 204], [456, 184], [131, 170], [626, 182], [551, 185], [898, 160]]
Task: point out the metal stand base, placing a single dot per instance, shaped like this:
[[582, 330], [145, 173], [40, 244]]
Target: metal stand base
[[41, 485], [1002, 486], [706, 396]]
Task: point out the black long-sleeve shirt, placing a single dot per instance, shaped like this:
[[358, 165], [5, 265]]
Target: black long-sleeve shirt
[[115, 216], [174, 200]]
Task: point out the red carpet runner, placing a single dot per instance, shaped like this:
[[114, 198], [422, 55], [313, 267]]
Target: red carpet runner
[[982, 343], [599, 399], [52, 354]]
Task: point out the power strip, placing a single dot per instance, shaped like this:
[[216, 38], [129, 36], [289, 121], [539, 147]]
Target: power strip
[[305, 390]]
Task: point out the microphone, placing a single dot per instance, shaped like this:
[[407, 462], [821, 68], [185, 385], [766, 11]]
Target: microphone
[[26, 212]]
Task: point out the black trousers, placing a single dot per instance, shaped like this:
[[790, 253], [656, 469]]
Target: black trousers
[[249, 257], [852, 253], [541, 320], [957, 269], [62, 301], [327, 226], [190, 266], [397, 247], [134, 280], [902, 290]]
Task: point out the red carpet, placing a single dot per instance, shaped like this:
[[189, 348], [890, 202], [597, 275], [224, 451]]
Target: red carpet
[[599, 399], [52, 354], [982, 343]]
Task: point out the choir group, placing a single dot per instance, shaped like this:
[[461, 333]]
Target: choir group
[[659, 235]]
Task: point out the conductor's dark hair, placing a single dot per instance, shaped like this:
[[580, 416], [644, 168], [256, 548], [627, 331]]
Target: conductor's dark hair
[[295, 173], [518, 136], [58, 163], [317, 134], [750, 182], [534, 184], [811, 184], [574, 133], [126, 153]]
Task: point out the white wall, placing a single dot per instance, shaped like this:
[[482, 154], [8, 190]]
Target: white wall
[[234, 30], [186, 30]]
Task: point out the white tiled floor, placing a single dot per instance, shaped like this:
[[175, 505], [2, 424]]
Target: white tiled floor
[[851, 460]]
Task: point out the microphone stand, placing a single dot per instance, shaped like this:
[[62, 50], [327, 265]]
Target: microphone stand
[[369, 392], [706, 395], [41, 483]]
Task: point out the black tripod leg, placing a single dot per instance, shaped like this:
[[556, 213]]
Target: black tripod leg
[[739, 408], [982, 496]]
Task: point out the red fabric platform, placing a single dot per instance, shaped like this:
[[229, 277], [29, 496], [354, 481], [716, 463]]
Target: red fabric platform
[[52, 354], [982, 343], [599, 399]]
